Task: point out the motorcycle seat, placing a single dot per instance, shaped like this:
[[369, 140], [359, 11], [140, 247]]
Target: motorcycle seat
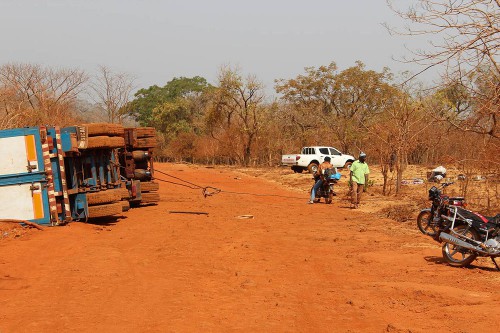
[[494, 219]]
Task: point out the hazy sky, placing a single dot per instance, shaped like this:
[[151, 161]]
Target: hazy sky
[[156, 40]]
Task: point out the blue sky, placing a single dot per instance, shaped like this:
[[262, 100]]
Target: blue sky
[[156, 40]]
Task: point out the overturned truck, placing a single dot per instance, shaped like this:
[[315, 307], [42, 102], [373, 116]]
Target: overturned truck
[[52, 175]]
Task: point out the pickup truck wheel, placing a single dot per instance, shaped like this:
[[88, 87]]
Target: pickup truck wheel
[[312, 167], [347, 165]]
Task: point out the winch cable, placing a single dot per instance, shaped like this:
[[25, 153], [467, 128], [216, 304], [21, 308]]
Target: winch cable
[[210, 190]]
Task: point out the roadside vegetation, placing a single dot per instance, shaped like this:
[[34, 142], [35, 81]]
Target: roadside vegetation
[[397, 120]]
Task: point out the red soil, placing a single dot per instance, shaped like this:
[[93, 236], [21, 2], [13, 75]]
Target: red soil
[[292, 268]]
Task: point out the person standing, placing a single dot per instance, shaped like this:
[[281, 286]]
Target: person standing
[[359, 178], [319, 176]]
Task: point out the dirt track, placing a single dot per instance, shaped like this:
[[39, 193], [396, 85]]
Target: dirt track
[[292, 268]]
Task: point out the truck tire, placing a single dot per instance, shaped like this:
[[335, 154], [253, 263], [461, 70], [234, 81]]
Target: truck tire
[[105, 210], [95, 142], [149, 186], [96, 129], [150, 197], [347, 165], [312, 167], [102, 197]]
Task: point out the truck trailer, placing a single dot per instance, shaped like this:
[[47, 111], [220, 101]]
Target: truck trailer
[[51, 175]]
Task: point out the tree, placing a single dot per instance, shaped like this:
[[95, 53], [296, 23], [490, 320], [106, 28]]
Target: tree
[[41, 94], [465, 39], [235, 108], [467, 32], [396, 133], [340, 102], [112, 92], [172, 118], [148, 99]]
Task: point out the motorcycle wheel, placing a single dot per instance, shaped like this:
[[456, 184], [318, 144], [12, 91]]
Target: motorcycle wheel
[[329, 199], [425, 223], [457, 256]]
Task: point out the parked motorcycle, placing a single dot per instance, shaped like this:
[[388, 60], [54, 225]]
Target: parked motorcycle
[[469, 236], [430, 221], [330, 178]]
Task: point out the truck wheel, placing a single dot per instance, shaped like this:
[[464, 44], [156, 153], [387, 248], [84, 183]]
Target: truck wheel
[[347, 165], [102, 197], [312, 167], [105, 210]]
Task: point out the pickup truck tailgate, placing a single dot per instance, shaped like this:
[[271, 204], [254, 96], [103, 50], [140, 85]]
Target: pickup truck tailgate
[[289, 159]]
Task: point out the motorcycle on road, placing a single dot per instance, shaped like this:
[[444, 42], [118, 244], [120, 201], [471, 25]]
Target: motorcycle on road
[[326, 190]]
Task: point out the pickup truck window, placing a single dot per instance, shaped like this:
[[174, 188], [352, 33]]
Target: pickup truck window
[[334, 151], [308, 151], [324, 151]]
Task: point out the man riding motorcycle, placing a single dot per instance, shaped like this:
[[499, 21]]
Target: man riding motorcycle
[[319, 176]]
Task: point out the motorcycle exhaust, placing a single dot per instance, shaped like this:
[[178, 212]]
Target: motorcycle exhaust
[[457, 241]]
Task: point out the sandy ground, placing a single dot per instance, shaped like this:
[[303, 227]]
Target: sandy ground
[[293, 267]]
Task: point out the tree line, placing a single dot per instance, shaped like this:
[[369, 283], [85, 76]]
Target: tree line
[[395, 119]]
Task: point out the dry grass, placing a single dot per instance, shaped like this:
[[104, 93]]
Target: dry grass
[[482, 195]]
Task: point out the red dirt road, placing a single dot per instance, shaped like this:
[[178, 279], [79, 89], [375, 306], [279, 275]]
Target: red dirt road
[[292, 268]]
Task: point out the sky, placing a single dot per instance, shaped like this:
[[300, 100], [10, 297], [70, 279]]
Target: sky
[[157, 40]]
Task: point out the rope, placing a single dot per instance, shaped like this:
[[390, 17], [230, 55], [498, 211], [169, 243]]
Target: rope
[[210, 190]]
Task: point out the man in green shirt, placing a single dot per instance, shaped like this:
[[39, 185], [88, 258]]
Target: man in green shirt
[[358, 177]]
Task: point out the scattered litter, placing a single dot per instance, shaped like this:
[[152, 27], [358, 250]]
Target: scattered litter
[[437, 174], [186, 212], [461, 176], [414, 181], [244, 217], [479, 178]]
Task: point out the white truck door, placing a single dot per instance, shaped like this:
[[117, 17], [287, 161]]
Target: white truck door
[[22, 194]]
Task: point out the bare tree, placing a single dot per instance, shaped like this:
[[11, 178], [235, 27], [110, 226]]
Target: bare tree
[[113, 92], [41, 94], [236, 109], [465, 41], [466, 32]]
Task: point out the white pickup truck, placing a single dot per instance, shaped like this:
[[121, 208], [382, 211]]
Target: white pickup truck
[[311, 157]]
